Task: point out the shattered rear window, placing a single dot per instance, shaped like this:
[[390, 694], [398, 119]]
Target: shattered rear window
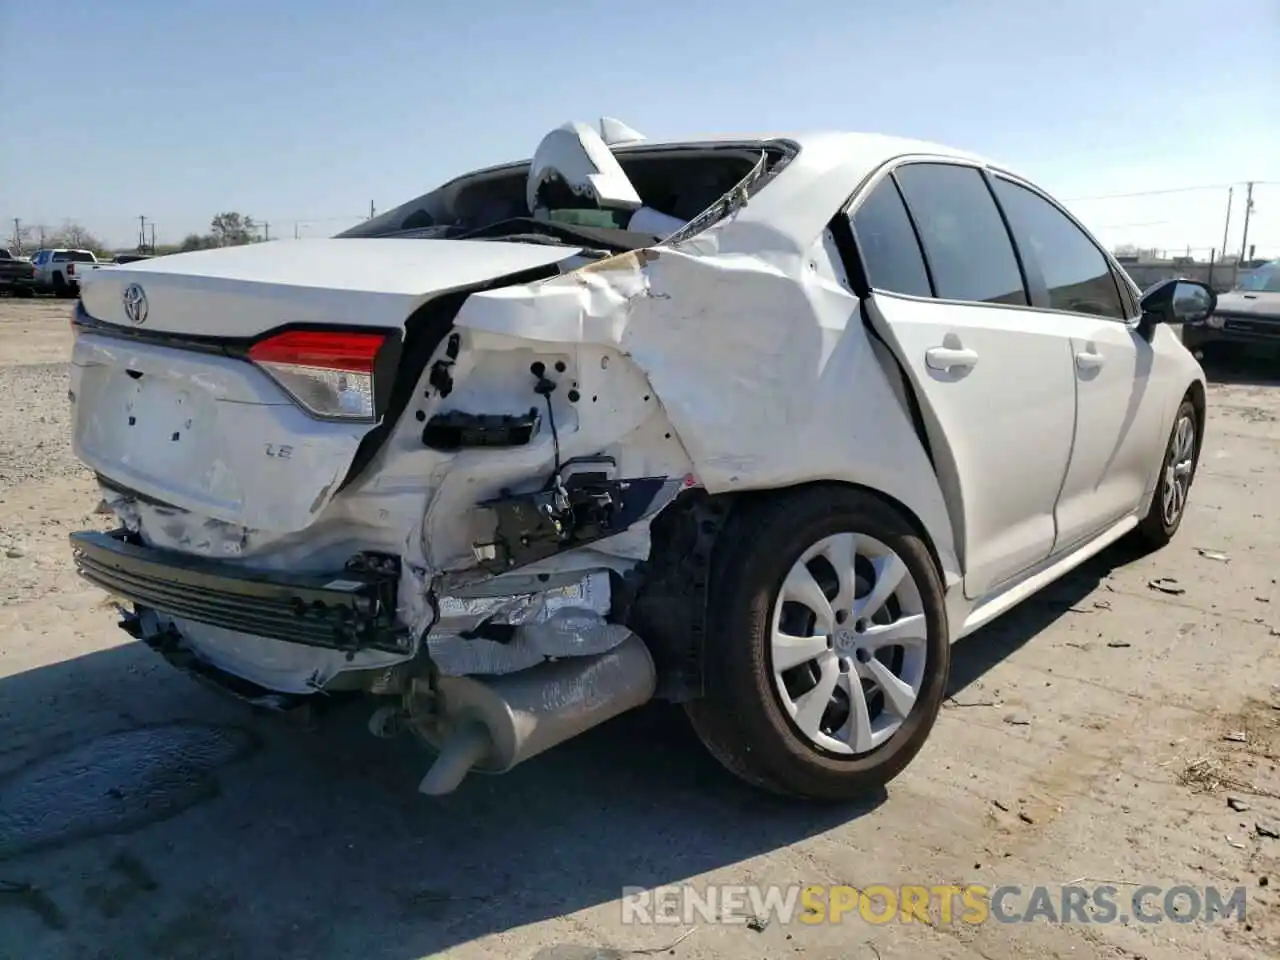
[[696, 183]]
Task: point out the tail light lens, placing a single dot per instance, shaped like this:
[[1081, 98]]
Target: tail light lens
[[329, 374], [71, 269]]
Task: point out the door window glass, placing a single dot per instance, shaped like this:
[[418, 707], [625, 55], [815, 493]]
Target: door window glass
[[964, 236], [890, 251], [1076, 272]]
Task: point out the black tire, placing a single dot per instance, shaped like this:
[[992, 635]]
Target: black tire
[[740, 719], [59, 285], [1155, 530]]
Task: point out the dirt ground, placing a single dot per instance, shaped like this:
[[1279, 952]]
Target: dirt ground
[[1104, 732]]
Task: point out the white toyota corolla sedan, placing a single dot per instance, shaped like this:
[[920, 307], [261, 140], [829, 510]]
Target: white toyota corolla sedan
[[758, 425]]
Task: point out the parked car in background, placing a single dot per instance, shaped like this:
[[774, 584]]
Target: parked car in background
[[1247, 315], [59, 270], [757, 425], [17, 274], [130, 257]]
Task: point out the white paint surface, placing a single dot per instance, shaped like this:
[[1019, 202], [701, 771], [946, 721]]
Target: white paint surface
[[738, 355]]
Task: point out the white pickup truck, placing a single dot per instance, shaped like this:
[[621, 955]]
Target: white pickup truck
[[58, 270]]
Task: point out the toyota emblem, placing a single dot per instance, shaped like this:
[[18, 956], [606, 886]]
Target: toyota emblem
[[135, 304]]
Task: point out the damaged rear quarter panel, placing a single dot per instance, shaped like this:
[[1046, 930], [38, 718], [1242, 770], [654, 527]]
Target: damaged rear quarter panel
[[427, 498], [762, 365]]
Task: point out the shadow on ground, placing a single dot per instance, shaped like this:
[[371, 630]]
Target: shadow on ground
[[1254, 366], [142, 816]]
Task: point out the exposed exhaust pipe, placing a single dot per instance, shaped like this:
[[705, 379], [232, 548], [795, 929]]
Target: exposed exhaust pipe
[[494, 723]]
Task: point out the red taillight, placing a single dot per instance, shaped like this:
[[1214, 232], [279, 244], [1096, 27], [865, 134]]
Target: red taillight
[[331, 351], [330, 374], [71, 269]]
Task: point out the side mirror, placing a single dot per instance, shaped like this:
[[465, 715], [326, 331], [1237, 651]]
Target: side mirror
[[1177, 301]]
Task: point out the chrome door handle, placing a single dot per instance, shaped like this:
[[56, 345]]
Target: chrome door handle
[[945, 358], [1090, 361]]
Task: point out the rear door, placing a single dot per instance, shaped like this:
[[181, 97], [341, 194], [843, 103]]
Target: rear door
[[1121, 399], [997, 388]]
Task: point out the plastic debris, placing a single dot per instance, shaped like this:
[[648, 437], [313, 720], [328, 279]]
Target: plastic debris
[[1213, 555]]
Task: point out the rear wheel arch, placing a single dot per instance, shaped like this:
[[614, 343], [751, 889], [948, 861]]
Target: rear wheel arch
[[667, 603], [760, 499], [737, 718]]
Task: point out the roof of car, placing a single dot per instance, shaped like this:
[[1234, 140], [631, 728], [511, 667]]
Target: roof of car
[[820, 179], [806, 139], [828, 167]]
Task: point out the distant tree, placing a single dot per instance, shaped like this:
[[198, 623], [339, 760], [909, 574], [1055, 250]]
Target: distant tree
[[24, 242], [194, 241], [233, 229], [78, 238]]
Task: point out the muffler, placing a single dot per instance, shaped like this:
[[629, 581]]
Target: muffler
[[491, 724]]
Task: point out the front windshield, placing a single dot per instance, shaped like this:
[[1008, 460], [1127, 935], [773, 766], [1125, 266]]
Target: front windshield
[[1263, 279]]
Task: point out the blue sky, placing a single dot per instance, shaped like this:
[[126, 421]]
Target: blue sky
[[294, 111]]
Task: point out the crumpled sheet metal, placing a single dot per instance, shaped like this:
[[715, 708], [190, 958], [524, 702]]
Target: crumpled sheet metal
[[750, 358], [564, 621]]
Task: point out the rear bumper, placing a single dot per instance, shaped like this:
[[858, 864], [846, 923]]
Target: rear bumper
[[350, 610]]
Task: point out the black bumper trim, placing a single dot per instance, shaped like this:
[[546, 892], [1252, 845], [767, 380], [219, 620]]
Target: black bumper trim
[[1234, 330], [350, 610]]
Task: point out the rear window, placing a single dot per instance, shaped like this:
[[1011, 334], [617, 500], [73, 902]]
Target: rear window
[[684, 182], [74, 256]]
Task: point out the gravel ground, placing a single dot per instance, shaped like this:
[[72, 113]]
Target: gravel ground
[[1104, 732]]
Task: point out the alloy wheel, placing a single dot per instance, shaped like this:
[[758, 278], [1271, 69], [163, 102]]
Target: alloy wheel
[[1177, 470], [848, 645]]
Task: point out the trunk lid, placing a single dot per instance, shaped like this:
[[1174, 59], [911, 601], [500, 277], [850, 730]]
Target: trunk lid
[[244, 291], [212, 433]]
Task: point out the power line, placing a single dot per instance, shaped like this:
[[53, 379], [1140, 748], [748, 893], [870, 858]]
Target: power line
[[1152, 193], [1158, 193], [1125, 226]]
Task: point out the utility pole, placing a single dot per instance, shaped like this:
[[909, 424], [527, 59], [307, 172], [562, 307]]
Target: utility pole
[[370, 209], [153, 237], [295, 229], [1226, 227], [142, 234], [266, 230], [1248, 209], [41, 229], [17, 234]]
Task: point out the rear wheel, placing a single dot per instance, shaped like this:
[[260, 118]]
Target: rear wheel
[[59, 285], [1177, 470], [828, 651]]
